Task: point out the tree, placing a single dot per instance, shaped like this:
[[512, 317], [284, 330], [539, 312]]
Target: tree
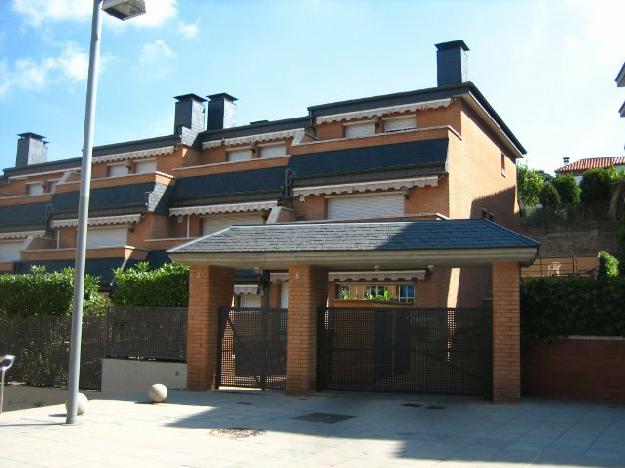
[[567, 188], [549, 196], [529, 184], [597, 184]]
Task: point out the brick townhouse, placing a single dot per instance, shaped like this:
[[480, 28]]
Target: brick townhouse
[[401, 201]]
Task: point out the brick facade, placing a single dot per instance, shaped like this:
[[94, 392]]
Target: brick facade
[[210, 287], [506, 332], [307, 292]]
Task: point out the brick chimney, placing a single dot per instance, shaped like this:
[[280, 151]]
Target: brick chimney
[[31, 149], [451, 62], [221, 111]]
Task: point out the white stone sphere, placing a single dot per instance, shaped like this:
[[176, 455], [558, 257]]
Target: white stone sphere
[[157, 393], [82, 404]]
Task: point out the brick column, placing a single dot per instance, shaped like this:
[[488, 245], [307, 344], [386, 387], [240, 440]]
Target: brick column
[[506, 332], [210, 287], [308, 290]]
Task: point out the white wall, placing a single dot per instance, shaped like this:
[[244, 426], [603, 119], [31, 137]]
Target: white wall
[[127, 376]]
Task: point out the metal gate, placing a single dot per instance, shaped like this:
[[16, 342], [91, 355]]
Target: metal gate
[[405, 350], [252, 347]]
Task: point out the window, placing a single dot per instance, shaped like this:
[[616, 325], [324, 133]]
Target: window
[[142, 167], [10, 251], [217, 222], [106, 237], [34, 188], [366, 206], [273, 151], [118, 170], [503, 164], [359, 129], [240, 154], [398, 124], [392, 292]]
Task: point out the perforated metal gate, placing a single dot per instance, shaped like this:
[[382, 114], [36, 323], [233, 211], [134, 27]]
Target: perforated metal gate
[[405, 350], [252, 347]]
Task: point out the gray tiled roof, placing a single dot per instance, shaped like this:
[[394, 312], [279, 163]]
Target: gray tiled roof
[[372, 236]]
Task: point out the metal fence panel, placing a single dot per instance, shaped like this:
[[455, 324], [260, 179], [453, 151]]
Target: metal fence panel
[[252, 347], [158, 333], [404, 350]]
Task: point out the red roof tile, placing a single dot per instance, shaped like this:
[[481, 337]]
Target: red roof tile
[[591, 163]]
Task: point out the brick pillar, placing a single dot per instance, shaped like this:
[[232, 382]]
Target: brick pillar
[[506, 332], [210, 287], [308, 290]]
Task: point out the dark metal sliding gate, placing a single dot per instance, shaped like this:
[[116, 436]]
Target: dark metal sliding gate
[[251, 347], [405, 350]]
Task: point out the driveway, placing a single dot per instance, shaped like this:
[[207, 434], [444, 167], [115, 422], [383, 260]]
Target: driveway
[[249, 428]]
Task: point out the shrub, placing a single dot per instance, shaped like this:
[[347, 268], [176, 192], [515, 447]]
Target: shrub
[[167, 286], [608, 266], [567, 188], [549, 196], [41, 293], [554, 307], [529, 183], [596, 185]]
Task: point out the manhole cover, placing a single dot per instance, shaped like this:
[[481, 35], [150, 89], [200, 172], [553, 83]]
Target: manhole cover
[[413, 405], [435, 407], [237, 432], [327, 418]]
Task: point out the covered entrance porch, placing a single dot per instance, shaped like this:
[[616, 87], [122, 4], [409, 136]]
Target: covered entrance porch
[[399, 342]]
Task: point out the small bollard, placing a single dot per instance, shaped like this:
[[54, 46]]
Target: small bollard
[[6, 362]]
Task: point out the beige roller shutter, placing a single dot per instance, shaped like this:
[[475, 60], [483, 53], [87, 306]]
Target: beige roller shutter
[[10, 251], [366, 207], [217, 222], [106, 237]]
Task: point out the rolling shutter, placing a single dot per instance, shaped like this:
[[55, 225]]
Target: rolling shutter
[[240, 155], [359, 129], [401, 123], [106, 237], [10, 251], [145, 166], [214, 223], [251, 300], [366, 207], [272, 151], [118, 170]]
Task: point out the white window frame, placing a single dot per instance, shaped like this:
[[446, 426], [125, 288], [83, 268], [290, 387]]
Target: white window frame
[[403, 129], [348, 125], [109, 228], [141, 161], [110, 166]]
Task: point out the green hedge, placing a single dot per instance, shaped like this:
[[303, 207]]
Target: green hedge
[[41, 293], [167, 286], [554, 307]]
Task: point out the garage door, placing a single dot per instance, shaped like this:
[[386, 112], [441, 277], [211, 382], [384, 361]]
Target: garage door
[[366, 206], [106, 237], [10, 251], [216, 223]]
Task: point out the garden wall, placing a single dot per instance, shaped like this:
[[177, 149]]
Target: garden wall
[[577, 367]]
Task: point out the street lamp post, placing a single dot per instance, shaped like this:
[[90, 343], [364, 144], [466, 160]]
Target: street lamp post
[[122, 9]]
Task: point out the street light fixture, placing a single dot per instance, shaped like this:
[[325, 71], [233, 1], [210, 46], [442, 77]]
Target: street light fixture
[[122, 9]]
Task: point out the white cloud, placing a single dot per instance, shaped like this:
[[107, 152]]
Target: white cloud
[[30, 74], [39, 12], [188, 30], [155, 51]]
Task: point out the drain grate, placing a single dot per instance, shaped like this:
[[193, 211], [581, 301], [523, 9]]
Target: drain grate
[[236, 432], [327, 418], [435, 407], [413, 405]]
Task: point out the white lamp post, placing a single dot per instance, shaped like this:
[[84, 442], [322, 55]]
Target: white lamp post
[[122, 9]]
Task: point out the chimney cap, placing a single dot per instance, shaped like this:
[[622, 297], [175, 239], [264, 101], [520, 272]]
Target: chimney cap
[[190, 97], [222, 97], [452, 45], [32, 135]]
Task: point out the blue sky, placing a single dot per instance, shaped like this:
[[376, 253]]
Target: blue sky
[[548, 67]]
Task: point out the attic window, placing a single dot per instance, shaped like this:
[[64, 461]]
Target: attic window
[[117, 170], [359, 129], [240, 154], [273, 151], [34, 188], [399, 124]]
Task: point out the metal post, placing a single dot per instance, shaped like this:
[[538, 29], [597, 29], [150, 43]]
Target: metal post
[[83, 213], [1, 390]]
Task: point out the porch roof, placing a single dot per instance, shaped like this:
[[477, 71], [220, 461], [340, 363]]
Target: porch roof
[[360, 244]]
